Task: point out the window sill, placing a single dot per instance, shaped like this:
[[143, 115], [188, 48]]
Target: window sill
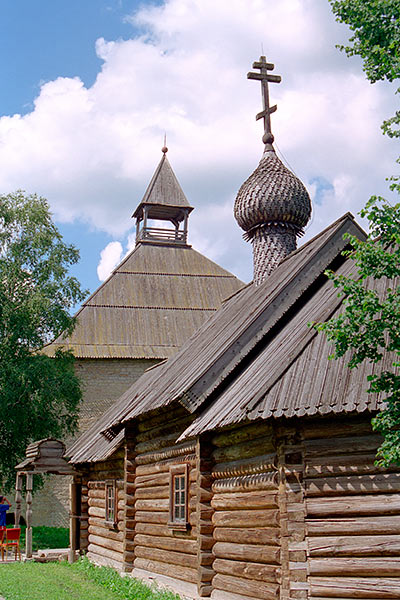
[[178, 526]]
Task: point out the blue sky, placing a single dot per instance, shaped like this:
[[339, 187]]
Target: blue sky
[[88, 88]]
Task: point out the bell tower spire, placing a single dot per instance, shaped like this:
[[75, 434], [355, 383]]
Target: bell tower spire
[[163, 201]]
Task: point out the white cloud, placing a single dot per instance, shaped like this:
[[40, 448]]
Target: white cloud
[[110, 257], [91, 151]]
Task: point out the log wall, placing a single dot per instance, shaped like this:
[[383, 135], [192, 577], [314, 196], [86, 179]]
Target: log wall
[[352, 513], [158, 548], [245, 503], [105, 541]]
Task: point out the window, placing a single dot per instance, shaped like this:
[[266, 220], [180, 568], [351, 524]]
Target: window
[[178, 497], [110, 502]]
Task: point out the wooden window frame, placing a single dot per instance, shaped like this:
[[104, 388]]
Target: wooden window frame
[[111, 484], [181, 524]]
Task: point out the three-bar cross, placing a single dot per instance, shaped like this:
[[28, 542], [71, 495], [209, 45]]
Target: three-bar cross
[[265, 77]]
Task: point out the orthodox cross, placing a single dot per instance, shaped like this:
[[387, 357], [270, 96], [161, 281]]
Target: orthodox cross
[[265, 77]]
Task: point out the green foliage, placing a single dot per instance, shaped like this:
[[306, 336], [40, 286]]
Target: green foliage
[[369, 326], [39, 395], [376, 39], [61, 581]]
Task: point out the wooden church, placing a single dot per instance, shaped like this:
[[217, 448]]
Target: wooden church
[[154, 300], [243, 466]]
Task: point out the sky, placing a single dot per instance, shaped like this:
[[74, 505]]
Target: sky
[[88, 90]]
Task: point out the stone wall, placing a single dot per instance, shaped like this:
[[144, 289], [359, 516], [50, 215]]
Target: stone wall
[[103, 382]]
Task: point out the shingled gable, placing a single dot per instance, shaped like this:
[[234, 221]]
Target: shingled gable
[[214, 351]]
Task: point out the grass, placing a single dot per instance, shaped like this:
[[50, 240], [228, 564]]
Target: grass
[[47, 537], [61, 581]]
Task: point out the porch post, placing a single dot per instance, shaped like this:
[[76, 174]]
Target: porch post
[[73, 521], [18, 498], [29, 481]]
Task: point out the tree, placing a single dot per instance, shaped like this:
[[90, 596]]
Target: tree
[[369, 326], [376, 39], [39, 394]]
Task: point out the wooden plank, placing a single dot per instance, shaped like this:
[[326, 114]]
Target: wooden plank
[[268, 536], [248, 570], [355, 505], [152, 480], [242, 434], [356, 464], [244, 518], [156, 504], [247, 552], [355, 484], [167, 556], [317, 429], [355, 587], [333, 445], [357, 545], [351, 567], [245, 500], [356, 526], [244, 450], [175, 571], [254, 589]]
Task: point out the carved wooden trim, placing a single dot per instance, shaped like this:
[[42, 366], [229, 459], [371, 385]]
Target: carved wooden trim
[[245, 467], [173, 451], [258, 481]]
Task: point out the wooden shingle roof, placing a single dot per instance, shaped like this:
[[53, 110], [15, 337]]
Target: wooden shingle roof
[[154, 300]]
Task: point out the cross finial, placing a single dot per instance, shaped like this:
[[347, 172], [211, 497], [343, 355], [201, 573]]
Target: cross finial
[[265, 77]]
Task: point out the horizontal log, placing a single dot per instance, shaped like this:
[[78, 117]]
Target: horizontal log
[[151, 517], [246, 449], [105, 562], [248, 570], [244, 518], [159, 491], [169, 452], [152, 480], [161, 431], [167, 556], [118, 556], [166, 543], [348, 427], [352, 567], [333, 446], [346, 464], [254, 589], [224, 595], [244, 500], [106, 532], [96, 485], [103, 542], [243, 434], [354, 505], [356, 526], [268, 536], [147, 423], [247, 552], [354, 587], [354, 484], [156, 443], [94, 511], [99, 502], [97, 493], [156, 504], [175, 571], [357, 545]]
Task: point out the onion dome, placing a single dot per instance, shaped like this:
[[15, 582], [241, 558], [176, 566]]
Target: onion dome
[[272, 195]]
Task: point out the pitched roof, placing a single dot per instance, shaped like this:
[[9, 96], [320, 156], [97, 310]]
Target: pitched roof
[[153, 301], [231, 334]]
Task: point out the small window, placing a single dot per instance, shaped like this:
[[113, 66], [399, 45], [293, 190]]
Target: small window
[[178, 497], [110, 502]]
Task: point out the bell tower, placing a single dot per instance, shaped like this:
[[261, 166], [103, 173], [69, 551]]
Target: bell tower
[[163, 201]]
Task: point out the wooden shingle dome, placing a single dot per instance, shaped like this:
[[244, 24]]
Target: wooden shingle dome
[[272, 205]]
